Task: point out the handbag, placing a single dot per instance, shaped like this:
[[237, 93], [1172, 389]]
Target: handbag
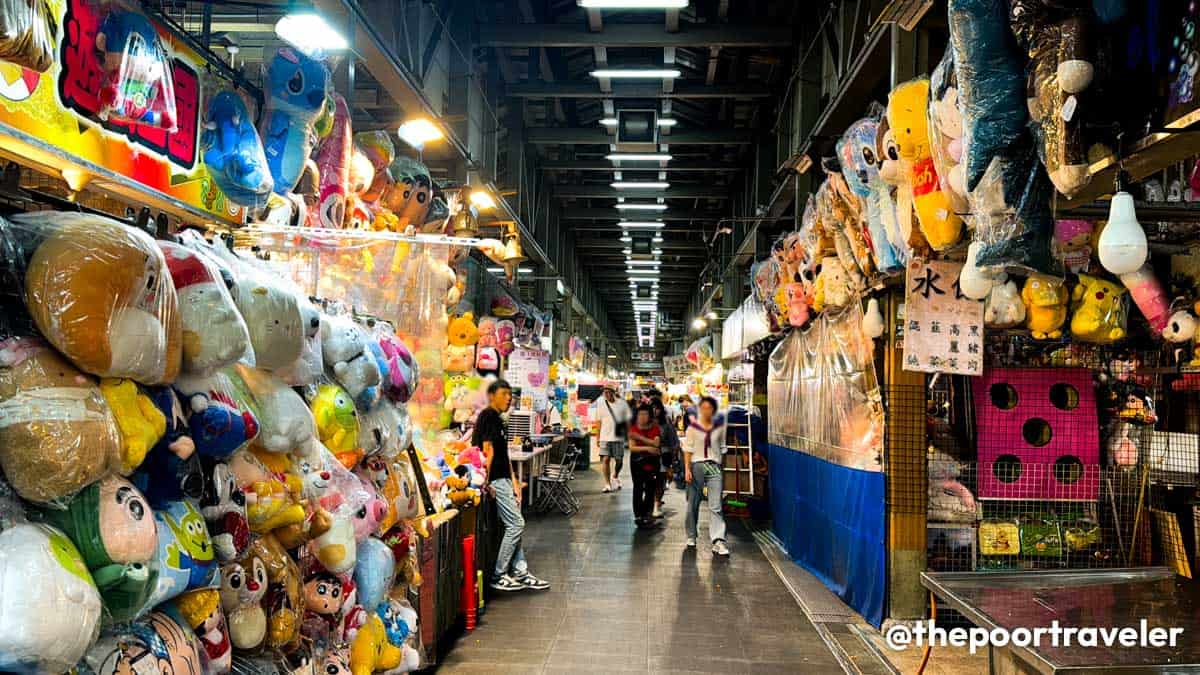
[[621, 429]]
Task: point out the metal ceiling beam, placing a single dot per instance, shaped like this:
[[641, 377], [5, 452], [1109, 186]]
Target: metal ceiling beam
[[631, 90], [614, 215], [604, 191], [633, 35], [598, 136], [606, 166]]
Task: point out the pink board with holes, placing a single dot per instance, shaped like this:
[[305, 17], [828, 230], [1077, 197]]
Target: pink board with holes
[[1038, 434]]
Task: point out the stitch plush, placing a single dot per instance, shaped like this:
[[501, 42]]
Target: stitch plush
[[295, 86]]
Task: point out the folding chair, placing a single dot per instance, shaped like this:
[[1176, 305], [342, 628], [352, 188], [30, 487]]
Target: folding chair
[[554, 483]]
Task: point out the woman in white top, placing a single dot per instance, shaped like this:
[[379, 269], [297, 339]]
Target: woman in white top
[[703, 448]]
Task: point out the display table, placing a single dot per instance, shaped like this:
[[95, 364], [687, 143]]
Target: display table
[[1116, 598]]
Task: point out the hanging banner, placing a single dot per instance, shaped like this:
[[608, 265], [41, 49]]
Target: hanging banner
[[51, 120], [943, 329], [529, 371], [676, 367]]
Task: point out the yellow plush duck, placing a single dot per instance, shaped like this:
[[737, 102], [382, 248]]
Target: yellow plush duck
[[141, 422], [1046, 300], [1099, 310], [909, 124]]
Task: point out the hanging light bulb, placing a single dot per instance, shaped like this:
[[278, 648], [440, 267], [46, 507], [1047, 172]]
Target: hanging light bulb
[[1122, 248]]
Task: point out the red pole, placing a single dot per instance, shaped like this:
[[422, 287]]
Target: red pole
[[468, 590]]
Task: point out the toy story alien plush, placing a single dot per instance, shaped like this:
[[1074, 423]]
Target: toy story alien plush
[[185, 559]]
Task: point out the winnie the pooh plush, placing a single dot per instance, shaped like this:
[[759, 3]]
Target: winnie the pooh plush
[[57, 433], [906, 113], [140, 421], [101, 293], [1099, 309], [1046, 302]]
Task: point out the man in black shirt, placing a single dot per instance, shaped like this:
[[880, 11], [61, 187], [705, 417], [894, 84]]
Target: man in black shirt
[[512, 572]]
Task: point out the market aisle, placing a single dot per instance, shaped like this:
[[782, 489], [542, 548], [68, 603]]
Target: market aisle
[[625, 600]]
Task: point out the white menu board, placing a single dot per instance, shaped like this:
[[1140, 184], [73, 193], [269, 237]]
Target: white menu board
[[529, 371], [943, 329]]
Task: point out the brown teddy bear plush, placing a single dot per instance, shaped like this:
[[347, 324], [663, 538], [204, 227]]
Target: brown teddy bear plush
[[57, 434], [101, 293]]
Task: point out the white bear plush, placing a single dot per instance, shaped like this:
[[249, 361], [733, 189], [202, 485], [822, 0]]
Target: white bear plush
[[1004, 308], [285, 421], [308, 368], [214, 334], [344, 346], [272, 314]]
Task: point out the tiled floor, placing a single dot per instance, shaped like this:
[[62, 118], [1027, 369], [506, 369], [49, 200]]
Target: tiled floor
[[625, 600]]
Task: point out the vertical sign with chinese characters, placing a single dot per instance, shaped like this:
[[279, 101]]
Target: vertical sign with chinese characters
[[943, 329], [529, 370]]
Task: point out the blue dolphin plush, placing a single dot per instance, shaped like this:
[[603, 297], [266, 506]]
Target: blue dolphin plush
[[234, 152]]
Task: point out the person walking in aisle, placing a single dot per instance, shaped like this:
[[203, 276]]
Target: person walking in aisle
[[490, 435], [614, 416], [703, 449], [645, 439], [670, 452]]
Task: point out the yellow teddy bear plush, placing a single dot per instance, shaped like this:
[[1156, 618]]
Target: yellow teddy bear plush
[[909, 125], [140, 421], [1046, 300], [1100, 310]]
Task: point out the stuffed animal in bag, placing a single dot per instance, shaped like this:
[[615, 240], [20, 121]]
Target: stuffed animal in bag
[[894, 172], [185, 653], [284, 600], [412, 193], [379, 149], [333, 161], [141, 423], [41, 569], [171, 470], [1150, 297], [1099, 310], [461, 398], [460, 493], [309, 368], [57, 433], [371, 650], [233, 152], [949, 500], [214, 333], [370, 397], [136, 83], [378, 472], [487, 333], [402, 369], [374, 573], [367, 510], [832, 287], [295, 87], [201, 610], [382, 430], [1003, 307], [506, 333], [30, 32], [271, 499], [487, 360], [337, 420], [1046, 306], [344, 344], [856, 150], [946, 131], [243, 585], [285, 420], [124, 648], [907, 105], [272, 314], [223, 505], [112, 525], [100, 292], [185, 559], [220, 418], [326, 597]]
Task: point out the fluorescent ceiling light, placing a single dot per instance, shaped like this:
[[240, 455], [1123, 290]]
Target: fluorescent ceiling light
[[642, 224], [417, 132], [657, 251], [500, 270], [632, 4], [626, 240], [637, 73], [310, 33], [650, 263], [667, 122], [626, 206], [639, 156], [627, 251], [639, 185], [657, 239], [609, 121]]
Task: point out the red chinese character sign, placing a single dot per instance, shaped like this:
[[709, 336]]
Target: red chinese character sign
[[943, 329], [64, 117]]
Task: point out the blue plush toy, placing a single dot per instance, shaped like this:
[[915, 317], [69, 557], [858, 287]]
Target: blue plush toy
[[185, 559], [171, 470], [234, 152], [370, 396], [856, 149], [217, 428], [295, 87], [374, 571]]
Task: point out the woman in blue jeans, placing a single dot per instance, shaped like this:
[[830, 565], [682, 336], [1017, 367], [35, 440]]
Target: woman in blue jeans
[[703, 451]]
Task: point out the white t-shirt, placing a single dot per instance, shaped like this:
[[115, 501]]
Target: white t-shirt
[[608, 423], [694, 437]]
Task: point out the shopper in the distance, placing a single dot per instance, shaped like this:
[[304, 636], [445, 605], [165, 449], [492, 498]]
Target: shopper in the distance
[[670, 453], [613, 415], [490, 436], [645, 441], [703, 449]]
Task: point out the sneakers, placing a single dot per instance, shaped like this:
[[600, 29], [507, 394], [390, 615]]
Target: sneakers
[[607, 488], [616, 483], [720, 548], [691, 542], [658, 512], [508, 584], [532, 582]]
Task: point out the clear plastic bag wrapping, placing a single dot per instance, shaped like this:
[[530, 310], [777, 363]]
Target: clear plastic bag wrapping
[[946, 132], [27, 32], [1011, 212], [137, 84], [101, 293], [824, 393], [214, 332]]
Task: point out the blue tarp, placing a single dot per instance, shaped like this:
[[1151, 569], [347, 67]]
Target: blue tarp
[[830, 519]]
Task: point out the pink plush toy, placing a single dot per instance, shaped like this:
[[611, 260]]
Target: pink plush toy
[[798, 303], [333, 160], [1149, 296], [506, 332], [402, 369], [487, 333], [367, 510]]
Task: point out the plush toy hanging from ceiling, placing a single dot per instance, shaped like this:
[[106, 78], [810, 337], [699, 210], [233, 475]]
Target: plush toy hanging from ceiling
[[834, 213], [908, 120], [378, 148], [295, 88], [234, 153], [333, 161], [28, 30], [856, 149], [946, 132], [1054, 35], [136, 84], [410, 197]]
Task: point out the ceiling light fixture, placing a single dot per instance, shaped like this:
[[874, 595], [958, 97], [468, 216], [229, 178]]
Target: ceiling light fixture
[[699, 324], [310, 33], [626, 240], [667, 122], [482, 200], [417, 132], [626, 206], [637, 73], [638, 156], [648, 263], [632, 4], [500, 270], [639, 185], [609, 121], [641, 224]]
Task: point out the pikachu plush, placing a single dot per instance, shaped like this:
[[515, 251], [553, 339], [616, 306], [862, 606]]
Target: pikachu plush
[[909, 125], [1100, 310]]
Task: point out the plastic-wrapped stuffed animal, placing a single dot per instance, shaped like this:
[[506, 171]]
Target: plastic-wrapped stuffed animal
[[40, 567], [337, 421], [223, 505], [374, 573], [1004, 307], [284, 601], [370, 397], [140, 421], [907, 105], [832, 288], [285, 420], [1046, 306], [460, 493], [402, 369], [295, 87], [171, 471], [1099, 310], [379, 149], [412, 193], [113, 527], [233, 152], [201, 609], [272, 315], [310, 366], [243, 585], [333, 159], [946, 132], [185, 559], [29, 36], [371, 650], [214, 333], [270, 501], [949, 500], [856, 149], [344, 344], [137, 85], [219, 423]]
